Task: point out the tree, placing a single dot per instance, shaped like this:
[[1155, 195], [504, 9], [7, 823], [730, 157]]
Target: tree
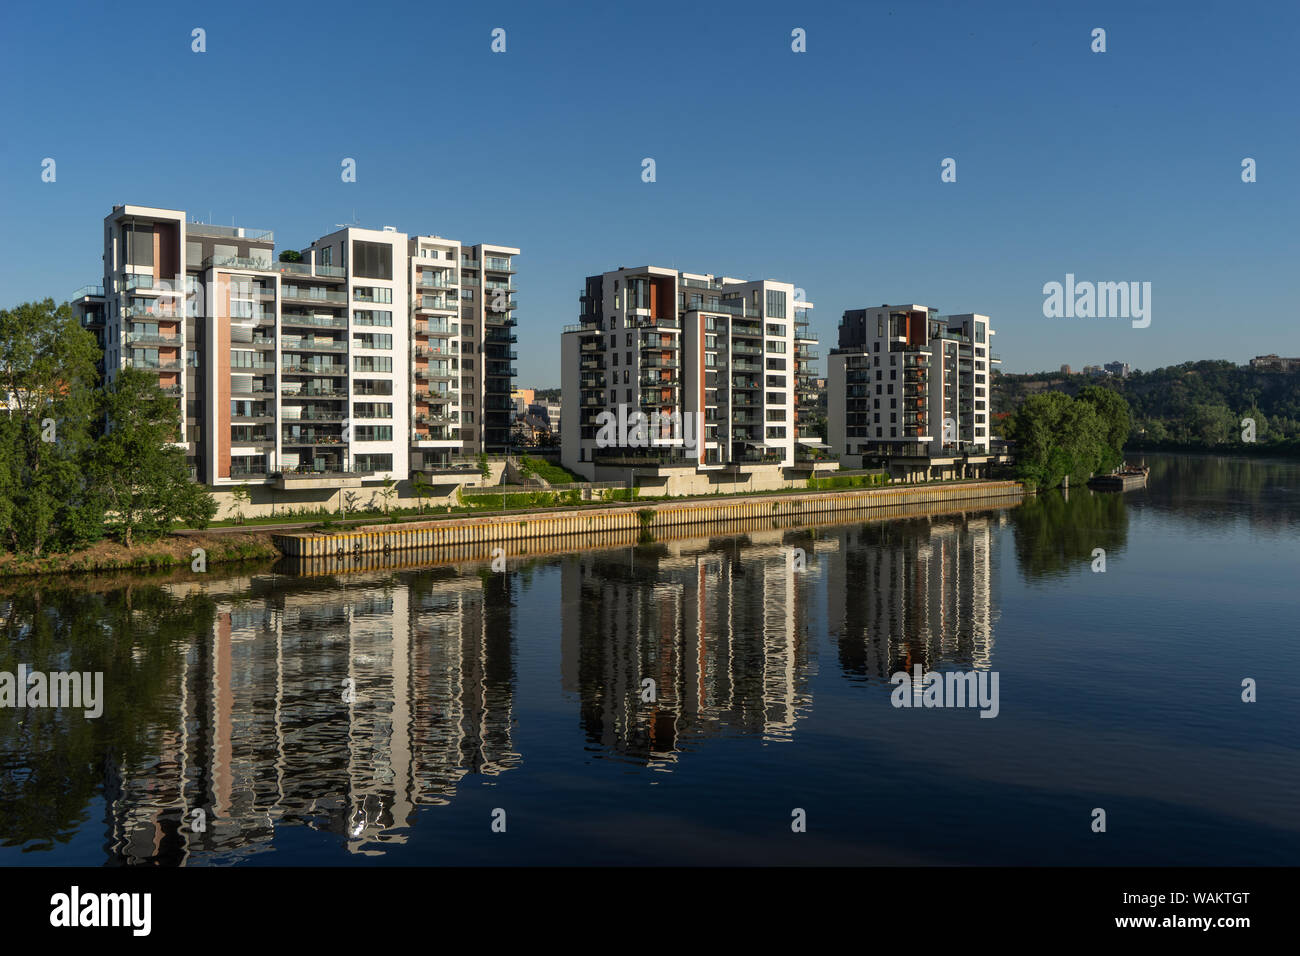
[[291, 255], [141, 472], [484, 468], [1056, 437], [387, 492], [47, 374], [1116, 423], [240, 495], [423, 490]]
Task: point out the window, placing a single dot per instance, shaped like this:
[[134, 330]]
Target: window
[[775, 304], [372, 317], [372, 363], [365, 293], [373, 340], [372, 409], [372, 433], [374, 462], [139, 245], [372, 260]]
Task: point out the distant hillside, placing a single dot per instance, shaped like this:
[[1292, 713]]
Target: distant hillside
[[1194, 405]]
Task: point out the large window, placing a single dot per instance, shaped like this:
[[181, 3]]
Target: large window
[[372, 317], [372, 433], [775, 304], [372, 260], [374, 463], [373, 340], [364, 293], [139, 245], [372, 363]]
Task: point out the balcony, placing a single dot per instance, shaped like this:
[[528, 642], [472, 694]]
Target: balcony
[[291, 344], [153, 338], [305, 269], [441, 303], [429, 351], [158, 313], [290, 392], [316, 321], [173, 365], [307, 413], [312, 294], [238, 263], [434, 374], [303, 368]]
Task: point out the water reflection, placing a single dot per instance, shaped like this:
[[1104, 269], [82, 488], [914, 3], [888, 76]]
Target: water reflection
[[344, 703], [1056, 532]]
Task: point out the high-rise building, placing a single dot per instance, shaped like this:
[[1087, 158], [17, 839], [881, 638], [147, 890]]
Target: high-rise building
[[911, 388], [368, 356], [710, 367]]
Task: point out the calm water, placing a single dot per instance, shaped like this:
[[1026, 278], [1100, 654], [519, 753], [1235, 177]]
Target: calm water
[[523, 691]]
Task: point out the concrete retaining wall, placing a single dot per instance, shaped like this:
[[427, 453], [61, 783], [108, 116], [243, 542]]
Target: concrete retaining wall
[[496, 529]]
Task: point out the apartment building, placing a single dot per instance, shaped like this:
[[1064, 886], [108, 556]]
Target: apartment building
[[911, 388], [672, 370], [370, 355]]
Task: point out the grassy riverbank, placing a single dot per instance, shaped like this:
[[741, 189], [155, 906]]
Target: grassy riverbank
[[173, 551], [253, 540]]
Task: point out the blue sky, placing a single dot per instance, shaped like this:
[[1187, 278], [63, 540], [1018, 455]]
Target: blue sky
[[820, 168]]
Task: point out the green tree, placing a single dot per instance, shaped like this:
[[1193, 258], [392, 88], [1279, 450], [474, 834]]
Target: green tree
[[240, 495], [422, 488], [1056, 437], [141, 472], [388, 492], [1115, 421], [47, 374]]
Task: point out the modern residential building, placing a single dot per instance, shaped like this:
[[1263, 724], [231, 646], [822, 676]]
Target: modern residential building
[[369, 356], [710, 367], [1118, 369], [910, 388]]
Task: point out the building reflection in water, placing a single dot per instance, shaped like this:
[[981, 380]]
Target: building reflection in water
[[265, 733], [268, 733], [913, 592], [719, 626]]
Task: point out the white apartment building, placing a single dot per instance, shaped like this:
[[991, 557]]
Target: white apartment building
[[354, 363], [708, 363], [912, 388]]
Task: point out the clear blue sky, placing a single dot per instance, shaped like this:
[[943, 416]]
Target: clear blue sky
[[820, 168]]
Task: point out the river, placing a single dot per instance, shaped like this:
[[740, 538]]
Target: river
[[721, 699]]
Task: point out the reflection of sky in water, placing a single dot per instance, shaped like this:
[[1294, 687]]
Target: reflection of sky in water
[[386, 714]]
